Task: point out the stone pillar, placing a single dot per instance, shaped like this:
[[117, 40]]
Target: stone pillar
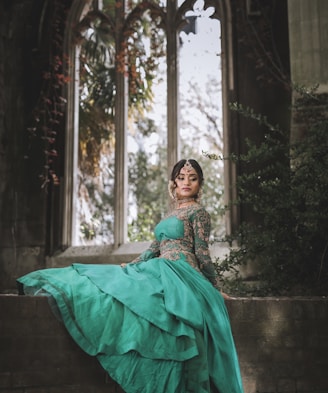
[[121, 159], [172, 86], [308, 40]]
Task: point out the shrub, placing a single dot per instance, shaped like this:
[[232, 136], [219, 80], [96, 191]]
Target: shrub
[[285, 186]]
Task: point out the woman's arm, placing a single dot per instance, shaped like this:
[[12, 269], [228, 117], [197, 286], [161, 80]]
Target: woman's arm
[[201, 222], [151, 252]]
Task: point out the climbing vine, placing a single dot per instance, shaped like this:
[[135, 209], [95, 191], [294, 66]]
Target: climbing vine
[[49, 111]]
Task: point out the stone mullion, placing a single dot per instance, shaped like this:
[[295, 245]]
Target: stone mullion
[[172, 85], [121, 164]]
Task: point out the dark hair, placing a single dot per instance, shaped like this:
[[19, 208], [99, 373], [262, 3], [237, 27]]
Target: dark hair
[[179, 165]]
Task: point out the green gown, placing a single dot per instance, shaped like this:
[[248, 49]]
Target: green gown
[[158, 325]]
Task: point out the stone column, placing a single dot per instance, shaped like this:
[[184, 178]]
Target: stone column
[[308, 40], [172, 86], [121, 159]]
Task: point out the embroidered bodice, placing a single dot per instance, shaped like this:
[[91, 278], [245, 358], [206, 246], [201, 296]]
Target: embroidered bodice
[[184, 234]]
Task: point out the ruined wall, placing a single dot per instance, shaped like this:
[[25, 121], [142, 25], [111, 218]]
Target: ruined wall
[[22, 202], [30, 224], [308, 24], [282, 345]]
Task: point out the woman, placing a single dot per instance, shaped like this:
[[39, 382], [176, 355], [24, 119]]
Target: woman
[[159, 323]]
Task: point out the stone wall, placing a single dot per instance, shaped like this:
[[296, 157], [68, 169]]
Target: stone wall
[[22, 201], [282, 345]]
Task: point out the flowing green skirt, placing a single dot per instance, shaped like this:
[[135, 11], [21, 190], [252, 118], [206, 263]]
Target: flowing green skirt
[[156, 327]]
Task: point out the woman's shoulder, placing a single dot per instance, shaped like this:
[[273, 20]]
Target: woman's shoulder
[[190, 212], [199, 211]]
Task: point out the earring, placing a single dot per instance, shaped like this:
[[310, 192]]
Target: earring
[[199, 195], [171, 188]]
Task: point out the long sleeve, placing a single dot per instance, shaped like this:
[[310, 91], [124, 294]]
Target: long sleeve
[[151, 252], [201, 222]]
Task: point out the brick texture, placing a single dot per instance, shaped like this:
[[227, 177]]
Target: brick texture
[[282, 346]]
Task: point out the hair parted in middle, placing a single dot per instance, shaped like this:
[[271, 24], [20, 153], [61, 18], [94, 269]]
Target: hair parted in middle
[[176, 171]]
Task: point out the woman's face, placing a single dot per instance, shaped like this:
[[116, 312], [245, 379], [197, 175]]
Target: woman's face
[[187, 183]]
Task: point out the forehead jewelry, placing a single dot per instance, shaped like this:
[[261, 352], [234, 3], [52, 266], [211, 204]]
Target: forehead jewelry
[[187, 166]]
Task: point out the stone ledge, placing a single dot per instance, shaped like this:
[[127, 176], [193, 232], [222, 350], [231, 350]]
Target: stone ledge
[[107, 254], [96, 254], [282, 345]]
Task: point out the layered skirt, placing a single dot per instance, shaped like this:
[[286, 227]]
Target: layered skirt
[[155, 327]]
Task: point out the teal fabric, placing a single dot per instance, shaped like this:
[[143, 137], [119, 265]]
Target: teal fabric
[[156, 327], [171, 227]]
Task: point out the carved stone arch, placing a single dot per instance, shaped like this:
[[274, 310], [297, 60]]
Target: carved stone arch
[[154, 9], [69, 181]]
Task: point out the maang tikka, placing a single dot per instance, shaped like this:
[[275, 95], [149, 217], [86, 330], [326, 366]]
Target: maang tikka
[[187, 166]]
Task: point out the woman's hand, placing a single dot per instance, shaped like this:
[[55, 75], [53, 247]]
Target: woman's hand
[[123, 265], [225, 296]]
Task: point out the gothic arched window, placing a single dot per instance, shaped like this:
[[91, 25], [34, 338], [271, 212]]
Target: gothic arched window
[[147, 81]]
